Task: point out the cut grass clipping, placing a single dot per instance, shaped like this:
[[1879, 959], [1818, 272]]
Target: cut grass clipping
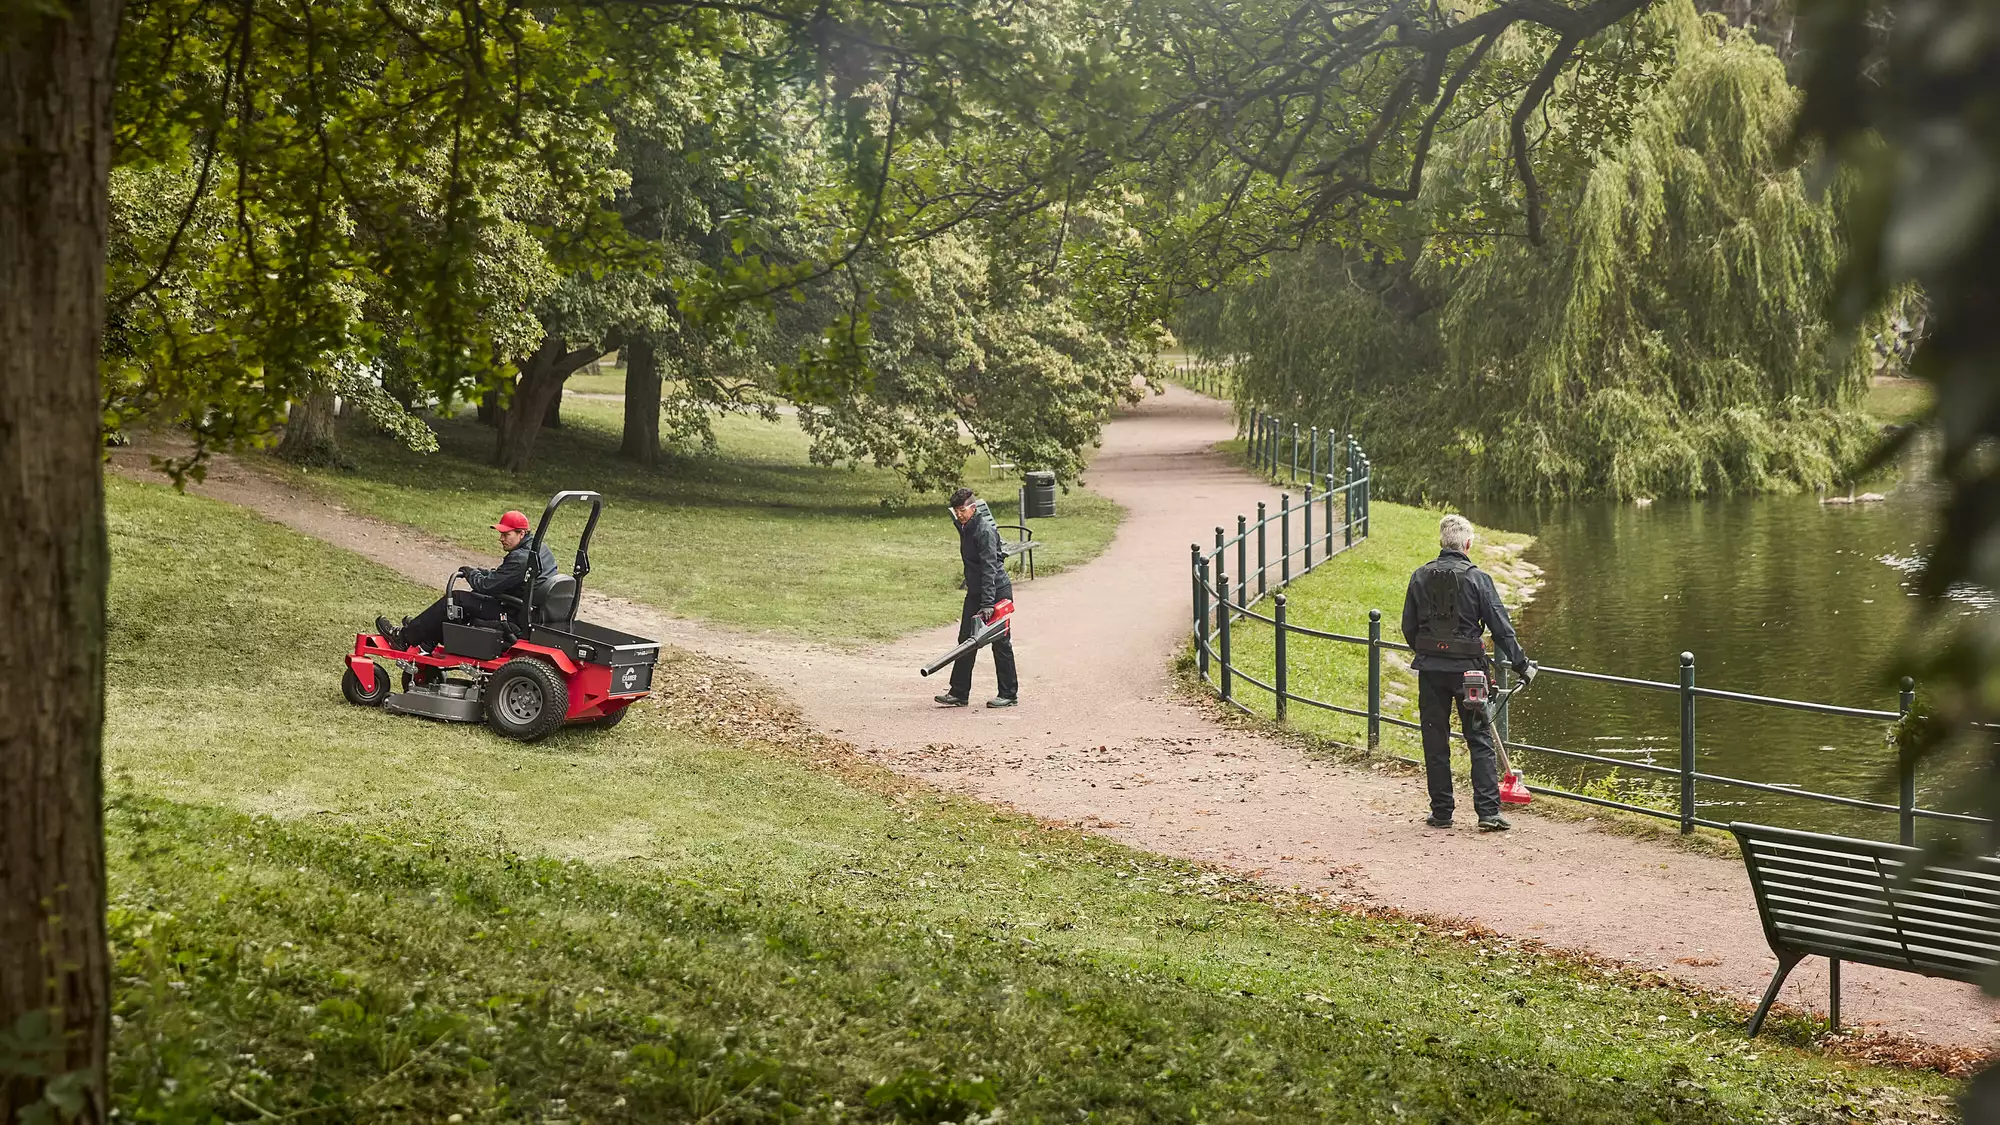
[[647, 925], [750, 535]]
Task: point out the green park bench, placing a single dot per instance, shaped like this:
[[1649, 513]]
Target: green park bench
[[1863, 901]]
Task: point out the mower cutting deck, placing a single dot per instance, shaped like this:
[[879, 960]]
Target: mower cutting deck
[[524, 676]]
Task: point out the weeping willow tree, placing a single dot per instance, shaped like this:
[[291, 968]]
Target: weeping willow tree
[[1668, 338]]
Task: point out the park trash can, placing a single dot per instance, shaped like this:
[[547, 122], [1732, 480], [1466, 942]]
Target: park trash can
[[1038, 495]]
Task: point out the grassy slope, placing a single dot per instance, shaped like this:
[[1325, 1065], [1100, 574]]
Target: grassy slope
[[653, 924], [752, 536]]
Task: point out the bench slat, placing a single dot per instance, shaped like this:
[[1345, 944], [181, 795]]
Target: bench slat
[[1889, 879], [1970, 944], [1927, 909], [1981, 877], [1974, 883]]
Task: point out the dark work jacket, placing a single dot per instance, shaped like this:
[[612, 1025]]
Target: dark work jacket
[[986, 580], [511, 576], [1478, 607]]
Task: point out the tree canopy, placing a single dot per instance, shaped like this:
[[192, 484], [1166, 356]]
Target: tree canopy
[[1670, 335]]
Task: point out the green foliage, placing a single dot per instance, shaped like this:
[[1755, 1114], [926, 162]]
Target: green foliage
[[1907, 110], [373, 917], [1671, 339]]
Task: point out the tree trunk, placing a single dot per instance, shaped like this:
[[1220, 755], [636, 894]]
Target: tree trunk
[[642, 403], [55, 159], [309, 432], [540, 384], [552, 419], [489, 408]]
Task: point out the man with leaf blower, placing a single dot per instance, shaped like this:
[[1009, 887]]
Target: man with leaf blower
[[1450, 602], [986, 587]]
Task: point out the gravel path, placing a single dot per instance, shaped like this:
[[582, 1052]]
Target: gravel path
[[1102, 739]]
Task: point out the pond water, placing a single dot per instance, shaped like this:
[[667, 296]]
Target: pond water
[[1780, 595]]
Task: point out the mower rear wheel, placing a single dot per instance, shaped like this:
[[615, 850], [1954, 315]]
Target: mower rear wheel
[[526, 699], [606, 722], [350, 686]]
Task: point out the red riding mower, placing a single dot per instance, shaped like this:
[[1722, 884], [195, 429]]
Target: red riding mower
[[525, 675]]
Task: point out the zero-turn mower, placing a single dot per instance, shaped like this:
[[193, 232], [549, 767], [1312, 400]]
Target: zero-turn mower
[[525, 675]]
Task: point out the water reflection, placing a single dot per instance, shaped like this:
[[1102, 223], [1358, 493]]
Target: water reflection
[[1780, 596]]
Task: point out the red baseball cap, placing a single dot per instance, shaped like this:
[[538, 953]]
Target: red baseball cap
[[512, 521]]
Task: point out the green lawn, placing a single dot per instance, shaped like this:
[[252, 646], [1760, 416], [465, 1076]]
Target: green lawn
[[657, 923], [1897, 400], [750, 535]]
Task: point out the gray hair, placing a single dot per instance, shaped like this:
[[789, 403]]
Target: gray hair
[[1455, 532]]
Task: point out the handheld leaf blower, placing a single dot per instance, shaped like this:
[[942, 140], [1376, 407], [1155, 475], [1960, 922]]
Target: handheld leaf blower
[[996, 626], [1478, 690]]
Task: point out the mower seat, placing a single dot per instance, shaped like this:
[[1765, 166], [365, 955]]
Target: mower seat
[[555, 600]]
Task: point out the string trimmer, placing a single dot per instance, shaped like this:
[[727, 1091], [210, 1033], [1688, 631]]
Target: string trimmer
[[1478, 690]]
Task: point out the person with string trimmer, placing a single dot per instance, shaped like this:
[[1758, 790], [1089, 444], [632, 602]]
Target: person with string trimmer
[[1450, 603]]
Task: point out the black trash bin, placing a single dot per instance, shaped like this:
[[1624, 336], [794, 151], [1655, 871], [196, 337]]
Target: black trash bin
[[1038, 495]]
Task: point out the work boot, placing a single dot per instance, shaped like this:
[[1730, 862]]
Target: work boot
[[1436, 821], [1494, 823], [949, 700], [1002, 701], [389, 632]]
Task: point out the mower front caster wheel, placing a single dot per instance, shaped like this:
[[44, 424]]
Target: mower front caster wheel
[[350, 686], [526, 699]]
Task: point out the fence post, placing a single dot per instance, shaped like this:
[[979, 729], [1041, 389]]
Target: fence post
[[1367, 493], [1262, 566], [1242, 572], [1200, 609], [1374, 678], [1309, 526], [1295, 451], [1278, 643], [1312, 455], [1687, 743], [1906, 770], [1285, 539], [1222, 624], [1329, 515]]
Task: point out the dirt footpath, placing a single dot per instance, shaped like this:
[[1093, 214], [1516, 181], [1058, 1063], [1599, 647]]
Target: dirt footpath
[[1101, 739]]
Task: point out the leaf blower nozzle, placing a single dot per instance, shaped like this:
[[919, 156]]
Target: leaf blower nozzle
[[995, 627]]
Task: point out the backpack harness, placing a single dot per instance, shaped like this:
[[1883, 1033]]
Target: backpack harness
[[1437, 629]]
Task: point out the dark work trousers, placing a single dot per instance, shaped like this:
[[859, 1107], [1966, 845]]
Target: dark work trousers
[[1436, 692], [1003, 657], [427, 628]]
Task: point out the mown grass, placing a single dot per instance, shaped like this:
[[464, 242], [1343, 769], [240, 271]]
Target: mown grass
[[1895, 401], [751, 535], [656, 924]]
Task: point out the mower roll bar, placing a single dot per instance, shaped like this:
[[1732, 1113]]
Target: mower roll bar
[[582, 566]]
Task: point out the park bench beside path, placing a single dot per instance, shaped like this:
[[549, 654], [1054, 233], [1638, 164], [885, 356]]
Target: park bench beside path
[[1104, 739]]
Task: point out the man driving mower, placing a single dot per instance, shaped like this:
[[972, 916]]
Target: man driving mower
[[481, 602]]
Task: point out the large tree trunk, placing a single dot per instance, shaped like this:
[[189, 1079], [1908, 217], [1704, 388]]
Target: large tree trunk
[[540, 384], [642, 403], [552, 418], [309, 432], [55, 160], [489, 408]]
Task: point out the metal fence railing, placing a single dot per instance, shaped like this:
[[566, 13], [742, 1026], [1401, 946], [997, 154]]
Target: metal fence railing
[[1213, 380], [1221, 605]]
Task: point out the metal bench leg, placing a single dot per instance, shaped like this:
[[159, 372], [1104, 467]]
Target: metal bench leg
[[1833, 994], [1786, 963]]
